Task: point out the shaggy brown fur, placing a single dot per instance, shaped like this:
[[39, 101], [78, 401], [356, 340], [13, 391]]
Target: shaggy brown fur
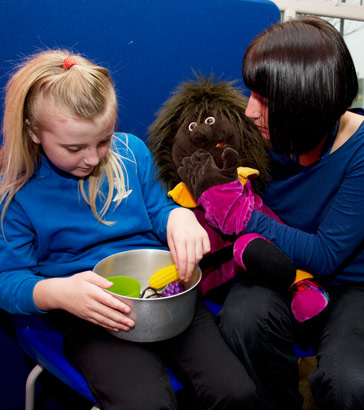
[[197, 98]]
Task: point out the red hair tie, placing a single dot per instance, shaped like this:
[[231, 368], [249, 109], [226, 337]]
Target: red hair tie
[[68, 62]]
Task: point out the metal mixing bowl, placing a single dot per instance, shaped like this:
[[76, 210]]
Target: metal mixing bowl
[[158, 318]]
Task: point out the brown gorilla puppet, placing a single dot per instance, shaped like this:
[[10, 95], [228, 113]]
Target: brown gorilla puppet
[[209, 154]]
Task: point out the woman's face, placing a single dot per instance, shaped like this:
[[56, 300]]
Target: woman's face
[[72, 145], [257, 110]]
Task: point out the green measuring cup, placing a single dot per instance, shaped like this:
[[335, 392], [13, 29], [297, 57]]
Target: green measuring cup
[[125, 286]]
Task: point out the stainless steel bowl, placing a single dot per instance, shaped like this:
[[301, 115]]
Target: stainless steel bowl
[[159, 318]]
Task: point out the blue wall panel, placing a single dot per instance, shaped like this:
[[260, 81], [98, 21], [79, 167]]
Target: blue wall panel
[[148, 45]]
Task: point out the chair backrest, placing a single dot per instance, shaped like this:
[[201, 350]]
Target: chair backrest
[[149, 46]]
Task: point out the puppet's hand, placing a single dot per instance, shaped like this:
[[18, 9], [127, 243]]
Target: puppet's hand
[[200, 171], [228, 207]]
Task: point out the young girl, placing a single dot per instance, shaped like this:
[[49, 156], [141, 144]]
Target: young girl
[[303, 82], [73, 193]]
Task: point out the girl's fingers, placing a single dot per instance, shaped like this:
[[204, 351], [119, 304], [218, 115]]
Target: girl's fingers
[[182, 259], [172, 249], [191, 258], [206, 246], [110, 323], [109, 314]]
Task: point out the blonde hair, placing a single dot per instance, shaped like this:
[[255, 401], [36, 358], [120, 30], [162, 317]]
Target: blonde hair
[[84, 91]]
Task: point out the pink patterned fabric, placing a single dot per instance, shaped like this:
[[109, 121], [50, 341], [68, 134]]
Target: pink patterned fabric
[[308, 300]]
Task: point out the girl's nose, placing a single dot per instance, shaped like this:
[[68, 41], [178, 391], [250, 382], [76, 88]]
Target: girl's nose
[[92, 157]]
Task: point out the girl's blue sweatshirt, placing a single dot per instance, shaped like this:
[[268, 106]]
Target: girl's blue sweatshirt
[[50, 231]]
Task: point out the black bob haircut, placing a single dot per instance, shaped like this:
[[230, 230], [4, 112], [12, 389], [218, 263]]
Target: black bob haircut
[[305, 71]]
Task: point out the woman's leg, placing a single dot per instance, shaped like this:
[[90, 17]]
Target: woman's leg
[[121, 374], [205, 363], [258, 325], [338, 381]]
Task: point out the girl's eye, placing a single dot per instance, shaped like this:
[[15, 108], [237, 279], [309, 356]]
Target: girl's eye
[[210, 121], [105, 142], [192, 126], [72, 149]]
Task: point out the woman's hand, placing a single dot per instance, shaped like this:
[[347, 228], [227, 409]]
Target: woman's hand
[[83, 295], [187, 240]]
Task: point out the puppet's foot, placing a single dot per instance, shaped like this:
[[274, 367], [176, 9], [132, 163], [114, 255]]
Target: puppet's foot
[[309, 299]]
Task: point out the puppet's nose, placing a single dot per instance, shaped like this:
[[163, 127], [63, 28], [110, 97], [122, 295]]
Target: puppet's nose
[[202, 134]]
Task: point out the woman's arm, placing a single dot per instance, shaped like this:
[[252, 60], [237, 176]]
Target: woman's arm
[[339, 234]]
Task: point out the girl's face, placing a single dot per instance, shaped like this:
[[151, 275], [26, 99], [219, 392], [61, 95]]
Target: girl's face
[[72, 145], [257, 110]]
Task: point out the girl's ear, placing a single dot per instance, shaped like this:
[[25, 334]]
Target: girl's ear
[[31, 133]]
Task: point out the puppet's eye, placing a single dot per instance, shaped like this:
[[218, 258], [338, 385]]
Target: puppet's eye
[[192, 126], [210, 120]]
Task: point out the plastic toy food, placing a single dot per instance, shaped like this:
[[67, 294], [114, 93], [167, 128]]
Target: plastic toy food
[[163, 277]]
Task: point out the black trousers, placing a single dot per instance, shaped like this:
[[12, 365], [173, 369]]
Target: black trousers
[[132, 376], [259, 327]]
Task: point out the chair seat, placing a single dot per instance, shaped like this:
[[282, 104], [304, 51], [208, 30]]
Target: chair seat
[[44, 344]]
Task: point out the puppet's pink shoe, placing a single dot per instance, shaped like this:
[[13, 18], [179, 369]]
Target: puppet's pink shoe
[[309, 299]]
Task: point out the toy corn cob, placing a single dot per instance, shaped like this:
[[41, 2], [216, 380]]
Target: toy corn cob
[[163, 277]]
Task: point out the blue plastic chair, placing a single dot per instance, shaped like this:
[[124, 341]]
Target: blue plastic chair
[[44, 344]]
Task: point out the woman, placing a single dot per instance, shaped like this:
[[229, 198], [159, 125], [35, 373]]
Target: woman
[[303, 81]]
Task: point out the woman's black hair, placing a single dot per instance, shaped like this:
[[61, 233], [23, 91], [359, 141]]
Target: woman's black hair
[[305, 71]]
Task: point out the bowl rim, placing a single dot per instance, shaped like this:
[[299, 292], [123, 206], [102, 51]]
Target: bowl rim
[[151, 299]]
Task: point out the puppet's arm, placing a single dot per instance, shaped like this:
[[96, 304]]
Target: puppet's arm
[[227, 203]]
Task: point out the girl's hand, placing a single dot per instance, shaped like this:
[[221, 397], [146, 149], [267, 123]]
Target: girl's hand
[[83, 295], [187, 240]]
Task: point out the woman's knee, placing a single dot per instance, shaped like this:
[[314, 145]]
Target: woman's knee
[[338, 389], [253, 309]]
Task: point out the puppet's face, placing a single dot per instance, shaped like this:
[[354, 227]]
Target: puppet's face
[[212, 134]]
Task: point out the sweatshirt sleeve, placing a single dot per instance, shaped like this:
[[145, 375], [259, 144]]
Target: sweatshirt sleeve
[[339, 233], [156, 200], [18, 262]]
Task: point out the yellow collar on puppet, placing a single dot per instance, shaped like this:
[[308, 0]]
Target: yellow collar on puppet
[[182, 196]]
